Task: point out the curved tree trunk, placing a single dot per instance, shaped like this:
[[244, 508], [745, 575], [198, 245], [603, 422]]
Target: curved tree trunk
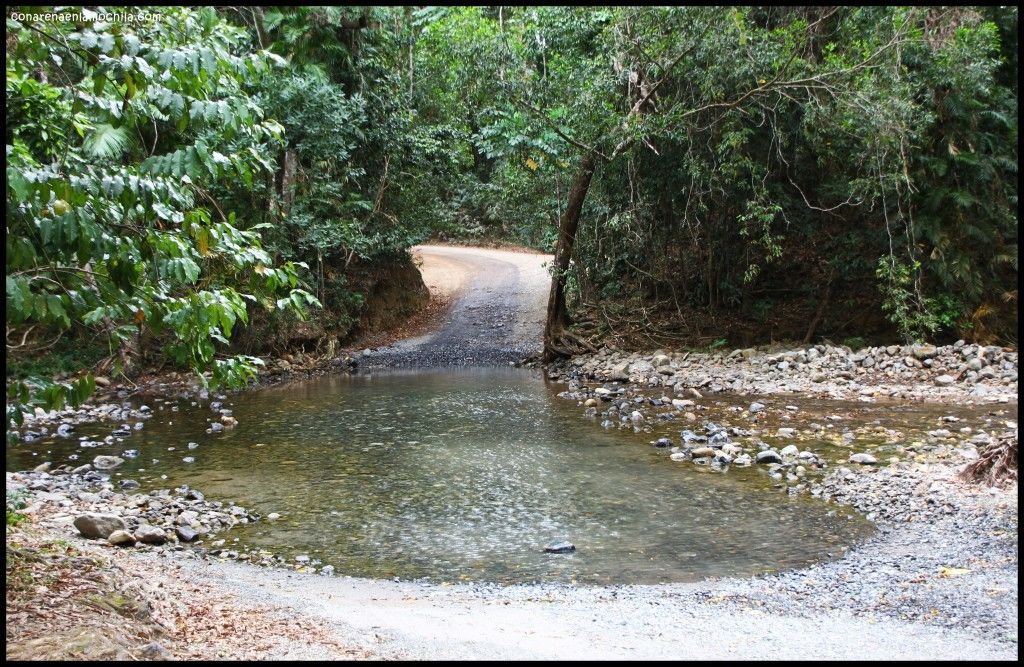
[[558, 316]]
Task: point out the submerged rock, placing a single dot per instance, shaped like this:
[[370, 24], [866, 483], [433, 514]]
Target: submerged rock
[[107, 462], [560, 548]]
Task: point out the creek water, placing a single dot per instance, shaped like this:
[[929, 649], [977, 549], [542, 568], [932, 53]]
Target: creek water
[[466, 475]]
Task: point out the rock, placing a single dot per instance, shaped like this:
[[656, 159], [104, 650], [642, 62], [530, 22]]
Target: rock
[[769, 456], [186, 518], [639, 367], [757, 407], [560, 548], [155, 651], [94, 526], [150, 534], [975, 364], [786, 432], [742, 460], [863, 459], [107, 462], [944, 380], [663, 442], [636, 416], [619, 372], [42, 467], [102, 381], [790, 450], [302, 559], [216, 427], [679, 403], [590, 403], [193, 494], [701, 452], [924, 351], [121, 538], [603, 394], [128, 484], [818, 377], [186, 534], [273, 516], [693, 393], [782, 365]]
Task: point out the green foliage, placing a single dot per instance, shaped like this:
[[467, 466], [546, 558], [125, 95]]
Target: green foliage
[[743, 147], [915, 316], [69, 355], [15, 501], [120, 132]]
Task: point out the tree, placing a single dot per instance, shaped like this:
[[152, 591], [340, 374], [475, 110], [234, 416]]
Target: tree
[[117, 132]]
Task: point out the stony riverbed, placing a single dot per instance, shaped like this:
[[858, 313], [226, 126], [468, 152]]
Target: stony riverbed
[[945, 554]]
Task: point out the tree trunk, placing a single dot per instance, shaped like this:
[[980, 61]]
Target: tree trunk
[[289, 171], [822, 305], [558, 316]]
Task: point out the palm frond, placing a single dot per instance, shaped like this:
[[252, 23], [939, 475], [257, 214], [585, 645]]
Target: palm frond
[[107, 141]]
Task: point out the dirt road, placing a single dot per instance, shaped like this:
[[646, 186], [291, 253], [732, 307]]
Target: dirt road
[[497, 314]]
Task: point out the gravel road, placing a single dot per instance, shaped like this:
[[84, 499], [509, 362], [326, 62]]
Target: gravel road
[[497, 316]]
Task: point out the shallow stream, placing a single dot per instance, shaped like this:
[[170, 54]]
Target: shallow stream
[[456, 475]]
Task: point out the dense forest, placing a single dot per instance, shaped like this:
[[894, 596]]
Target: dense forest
[[197, 187]]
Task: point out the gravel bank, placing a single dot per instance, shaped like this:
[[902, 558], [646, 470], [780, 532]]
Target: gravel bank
[[953, 373]]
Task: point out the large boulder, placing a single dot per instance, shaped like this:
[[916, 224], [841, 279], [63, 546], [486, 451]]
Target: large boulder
[[98, 526]]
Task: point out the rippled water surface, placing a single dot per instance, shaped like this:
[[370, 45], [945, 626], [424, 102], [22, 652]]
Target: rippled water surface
[[467, 475]]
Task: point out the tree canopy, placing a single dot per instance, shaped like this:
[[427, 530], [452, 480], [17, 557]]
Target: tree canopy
[[704, 172]]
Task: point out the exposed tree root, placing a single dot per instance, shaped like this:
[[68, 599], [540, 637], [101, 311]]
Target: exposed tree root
[[997, 464], [565, 344]]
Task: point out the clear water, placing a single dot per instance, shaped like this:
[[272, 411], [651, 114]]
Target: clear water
[[467, 475]]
